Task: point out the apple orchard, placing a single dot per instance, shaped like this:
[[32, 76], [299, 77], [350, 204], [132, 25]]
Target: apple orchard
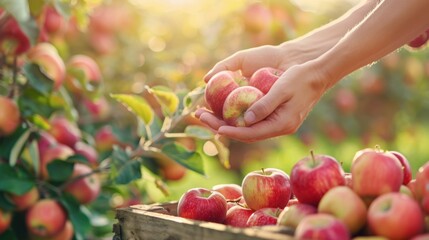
[[96, 113]]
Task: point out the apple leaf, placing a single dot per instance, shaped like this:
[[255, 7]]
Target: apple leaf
[[8, 234], [199, 132], [32, 102], [18, 8], [60, 170], [189, 159], [6, 204], [11, 182], [128, 172], [33, 149], [193, 97], [137, 105], [223, 153], [37, 79], [17, 148], [167, 98], [80, 221]]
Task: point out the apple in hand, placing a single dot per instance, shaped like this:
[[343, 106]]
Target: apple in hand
[[395, 216], [408, 175], [85, 189], [352, 214], [46, 218], [321, 226], [291, 216], [237, 103], [263, 217], [237, 216], [26, 200], [376, 172], [202, 204], [266, 188], [9, 116], [264, 78], [218, 88], [5, 220], [312, 176]]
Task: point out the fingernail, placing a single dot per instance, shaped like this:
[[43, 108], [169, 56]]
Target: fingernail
[[249, 117]]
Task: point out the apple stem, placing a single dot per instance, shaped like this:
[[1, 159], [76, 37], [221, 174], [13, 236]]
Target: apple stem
[[263, 171], [377, 148], [312, 156]]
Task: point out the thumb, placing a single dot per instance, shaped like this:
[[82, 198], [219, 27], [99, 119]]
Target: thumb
[[262, 108]]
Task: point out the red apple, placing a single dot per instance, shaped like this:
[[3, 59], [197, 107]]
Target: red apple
[[98, 109], [263, 217], [395, 216], [84, 189], [352, 214], [345, 100], [87, 151], [264, 78], [5, 220], [202, 204], [348, 179], [12, 38], [59, 151], [323, 227], [257, 17], [26, 200], [9, 116], [424, 236], [46, 218], [54, 23], [408, 175], [82, 68], [105, 138], [266, 188], [64, 131], [237, 216], [237, 102], [45, 141], [420, 187], [291, 216], [412, 186], [230, 191], [313, 176], [65, 234], [218, 88], [47, 57], [376, 172], [406, 190]]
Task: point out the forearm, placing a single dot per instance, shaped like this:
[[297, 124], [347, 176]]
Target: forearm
[[320, 40], [388, 27]]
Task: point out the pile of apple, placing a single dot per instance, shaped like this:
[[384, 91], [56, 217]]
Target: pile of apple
[[229, 94], [377, 198]]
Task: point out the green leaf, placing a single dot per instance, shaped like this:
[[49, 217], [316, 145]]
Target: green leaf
[[18, 8], [31, 30], [60, 170], [11, 182], [17, 148], [8, 143], [34, 155], [8, 234], [193, 97], [37, 79], [32, 102], [80, 221], [167, 98], [199, 132], [223, 153], [129, 172], [63, 8], [188, 159], [137, 105], [6, 204]]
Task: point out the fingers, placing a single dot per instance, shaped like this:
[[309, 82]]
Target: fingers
[[209, 119], [265, 106], [256, 132], [232, 63]]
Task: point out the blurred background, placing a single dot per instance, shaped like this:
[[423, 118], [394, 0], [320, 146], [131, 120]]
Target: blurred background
[[140, 43]]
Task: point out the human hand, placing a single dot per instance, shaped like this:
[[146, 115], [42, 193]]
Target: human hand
[[250, 60], [281, 111]]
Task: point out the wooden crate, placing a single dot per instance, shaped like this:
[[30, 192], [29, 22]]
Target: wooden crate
[[160, 222]]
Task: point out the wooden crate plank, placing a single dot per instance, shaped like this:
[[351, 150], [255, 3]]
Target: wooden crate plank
[[158, 222]]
